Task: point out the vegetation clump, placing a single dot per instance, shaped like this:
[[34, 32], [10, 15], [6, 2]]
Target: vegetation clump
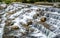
[[28, 1]]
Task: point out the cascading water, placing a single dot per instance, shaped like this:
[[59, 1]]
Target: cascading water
[[19, 20]]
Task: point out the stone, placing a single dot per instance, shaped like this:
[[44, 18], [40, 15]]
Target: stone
[[35, 16], [0, 20], [14, 27], [6, 36], [43, 19], [25, 26], [6, 30], [29, 22], [2, 6], [8, 23]]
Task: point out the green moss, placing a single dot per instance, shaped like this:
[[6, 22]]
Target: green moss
[[7, 1], [0, 0]]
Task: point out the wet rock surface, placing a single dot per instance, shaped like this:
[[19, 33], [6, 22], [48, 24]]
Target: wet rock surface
[[19, 20]]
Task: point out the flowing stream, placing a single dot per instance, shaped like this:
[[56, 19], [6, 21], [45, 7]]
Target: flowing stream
[[18, 14]]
